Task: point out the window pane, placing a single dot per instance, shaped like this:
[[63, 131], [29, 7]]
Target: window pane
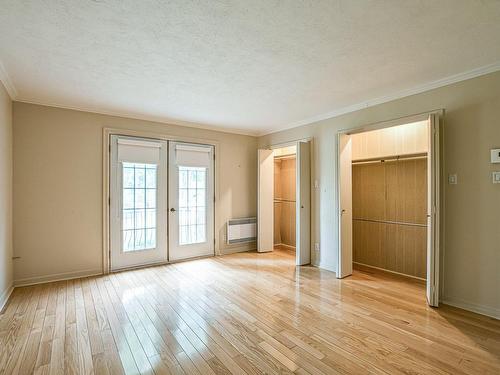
[[150, 198], [128, 219], [200, 216], [191, 198], [200, 179], [200, 233], [150, 218], [140, 219], [150, 238], [128, 198], [140, 239], [128, 177], [128, 240], [183, 202], [192, 179], [140, 177], [183, 220], [200, 197], [183, 178], [140, 198], [151, 178], [183, 238]]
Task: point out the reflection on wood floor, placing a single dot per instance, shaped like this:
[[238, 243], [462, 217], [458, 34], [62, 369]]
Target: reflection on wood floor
[[245, 313]]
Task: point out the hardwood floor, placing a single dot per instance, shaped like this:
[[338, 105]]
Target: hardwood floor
[[245, 313]]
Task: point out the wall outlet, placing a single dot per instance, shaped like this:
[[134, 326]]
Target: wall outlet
[[316, 246], [453, 179]]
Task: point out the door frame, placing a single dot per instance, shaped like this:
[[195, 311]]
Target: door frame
[[439, 200], [295, 142], [106, 186]]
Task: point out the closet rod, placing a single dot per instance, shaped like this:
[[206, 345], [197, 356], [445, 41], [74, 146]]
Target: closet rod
[[291, 156], [277, 200], [391, 158], [391, 222]]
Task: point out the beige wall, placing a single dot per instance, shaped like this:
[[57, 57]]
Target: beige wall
[[5, 195], [58, 187], [471, 248]]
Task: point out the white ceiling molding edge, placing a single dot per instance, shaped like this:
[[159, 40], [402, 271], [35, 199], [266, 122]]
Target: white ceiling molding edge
[[487, 69], [7, 82], [141, 117]]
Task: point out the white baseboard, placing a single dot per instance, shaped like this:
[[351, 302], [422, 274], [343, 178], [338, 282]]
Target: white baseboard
[[237, 249], [57, 277], [4, 297], [492, 312]]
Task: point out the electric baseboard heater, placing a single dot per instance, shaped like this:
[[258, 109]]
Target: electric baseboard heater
[[241, 230]]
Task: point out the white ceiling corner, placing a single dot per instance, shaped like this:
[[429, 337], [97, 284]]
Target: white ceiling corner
[[245, 67], [394, 96], [7, 82]]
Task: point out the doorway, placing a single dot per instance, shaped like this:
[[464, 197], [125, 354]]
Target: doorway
[[161, 205], [388, 188], [284, 200]]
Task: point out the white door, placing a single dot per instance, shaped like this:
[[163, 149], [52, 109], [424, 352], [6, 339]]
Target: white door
[[138, 202], [344, 265], [191, 200], [433, 171], [303, 208], [265, 201]]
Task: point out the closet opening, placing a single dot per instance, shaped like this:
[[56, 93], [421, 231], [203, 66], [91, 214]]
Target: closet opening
[[389, 200], [284, 201]]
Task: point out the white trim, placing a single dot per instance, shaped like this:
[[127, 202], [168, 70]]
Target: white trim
[[4, 298], [57, 277], [389, 271], [143, 117], [7, 82], [473, 73], [471, 306]]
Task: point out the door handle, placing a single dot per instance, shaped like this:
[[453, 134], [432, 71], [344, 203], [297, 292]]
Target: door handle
[[173, 209], [343, 211]]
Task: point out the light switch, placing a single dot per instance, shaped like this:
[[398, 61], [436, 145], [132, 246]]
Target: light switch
[[496, 177], [495, 155], [316, 184], [452, 179]]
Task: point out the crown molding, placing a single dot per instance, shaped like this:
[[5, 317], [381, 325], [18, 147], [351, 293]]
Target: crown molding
[[7, 82], [135, 116], [487, 69]]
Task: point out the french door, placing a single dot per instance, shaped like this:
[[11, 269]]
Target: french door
[[138, 202], [191, 200], [157, 185]]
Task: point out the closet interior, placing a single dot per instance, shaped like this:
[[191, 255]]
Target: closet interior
[[389, 198], [285, 198]]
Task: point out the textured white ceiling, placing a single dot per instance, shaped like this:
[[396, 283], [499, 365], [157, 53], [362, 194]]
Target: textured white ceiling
[[250, 65]]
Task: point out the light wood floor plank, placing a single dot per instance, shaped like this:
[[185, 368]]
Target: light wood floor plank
[[245, 314]]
